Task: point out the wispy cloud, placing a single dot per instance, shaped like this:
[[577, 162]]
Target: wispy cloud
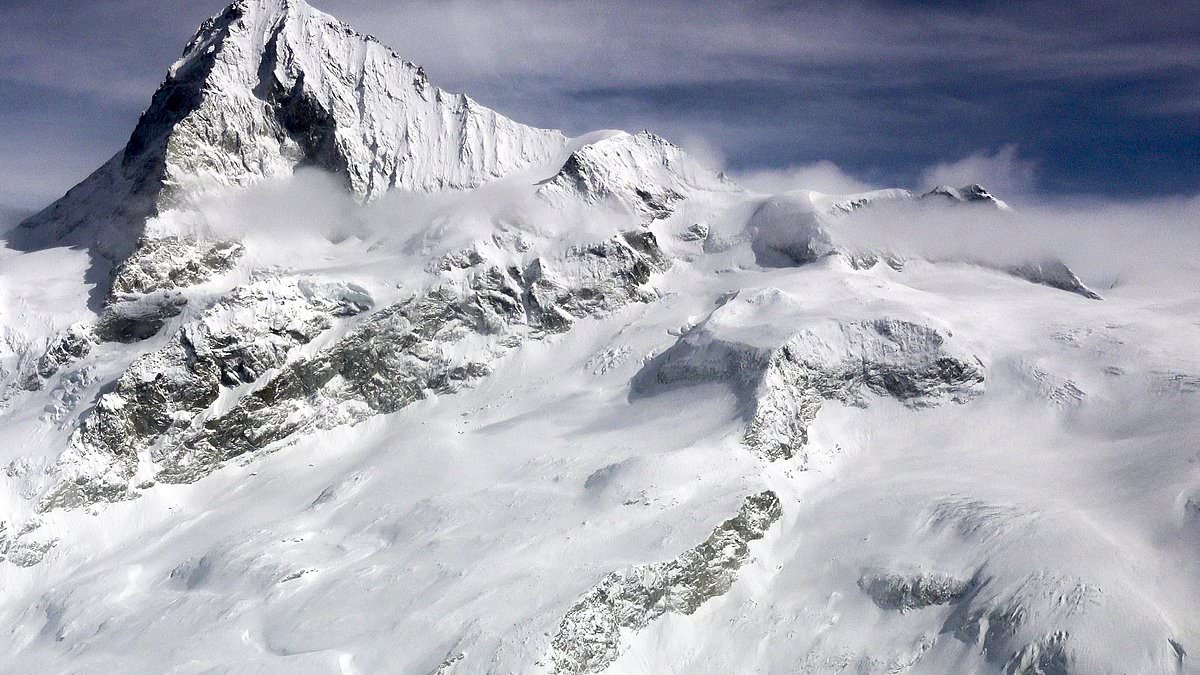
[[823, 176], [1002, 172]]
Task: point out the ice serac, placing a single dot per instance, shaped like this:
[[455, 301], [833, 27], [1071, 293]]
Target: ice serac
[[799, 227], [269, 85], [785, 231], [784, 365]]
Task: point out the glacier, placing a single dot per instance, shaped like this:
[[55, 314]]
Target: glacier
[[329, 370]]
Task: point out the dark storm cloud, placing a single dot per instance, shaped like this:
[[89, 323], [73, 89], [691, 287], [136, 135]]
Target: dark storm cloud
[[1073, 97]]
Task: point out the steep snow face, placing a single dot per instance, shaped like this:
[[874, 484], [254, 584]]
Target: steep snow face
[[268, 85], [296, 85]]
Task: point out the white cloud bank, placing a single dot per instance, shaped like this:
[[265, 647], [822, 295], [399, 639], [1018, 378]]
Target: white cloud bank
[[822, 176], [1003, 172]]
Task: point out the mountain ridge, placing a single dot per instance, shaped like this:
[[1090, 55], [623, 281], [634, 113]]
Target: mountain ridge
[[566, 406], [267, 86]]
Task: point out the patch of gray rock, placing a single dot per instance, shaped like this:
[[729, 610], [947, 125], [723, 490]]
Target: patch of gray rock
[[589, 637], [235, 342], [159, 422], [904, 592]]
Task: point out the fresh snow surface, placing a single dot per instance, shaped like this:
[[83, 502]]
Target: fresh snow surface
[[469, 523], [553, 459]]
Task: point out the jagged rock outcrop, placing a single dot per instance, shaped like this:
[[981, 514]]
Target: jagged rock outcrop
[[69, 346], [169, 263], [235, 342], [434, 343], [138, 318], [589, 636], [1055, 274], [974, 193], [145, 295], [783, 367], [133, 320]]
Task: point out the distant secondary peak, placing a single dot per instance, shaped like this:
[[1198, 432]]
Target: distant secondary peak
[[968, 194], [643, 171]]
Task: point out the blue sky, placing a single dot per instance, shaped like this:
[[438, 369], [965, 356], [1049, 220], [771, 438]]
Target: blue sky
[[1041, 99]]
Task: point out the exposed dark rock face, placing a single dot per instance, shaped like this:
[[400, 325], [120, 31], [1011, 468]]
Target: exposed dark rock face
[[234, 342], [887, 357], [589, 636], [1055, 274], [1047, 656], [145, 296], [435, 343], [974, 193], [999, 631], [70, 346], [169, 263], [906, 592], [695, 232], [138, 319]]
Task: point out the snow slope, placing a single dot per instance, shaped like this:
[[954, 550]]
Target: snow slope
[[470, 397]]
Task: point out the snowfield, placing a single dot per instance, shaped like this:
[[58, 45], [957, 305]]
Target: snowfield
[[331, 371]]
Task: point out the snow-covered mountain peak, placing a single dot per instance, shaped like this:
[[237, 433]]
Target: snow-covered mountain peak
[[290, 85], [643, 171], [267, 86], [974, 193]]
